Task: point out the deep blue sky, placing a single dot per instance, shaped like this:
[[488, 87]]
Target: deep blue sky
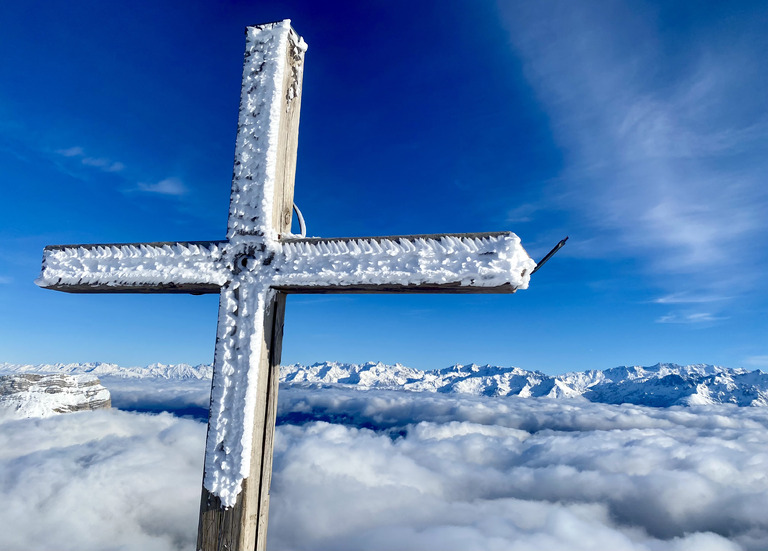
[[639, 129]]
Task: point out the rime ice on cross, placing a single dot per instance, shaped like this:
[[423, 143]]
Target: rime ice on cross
[[253, 270]]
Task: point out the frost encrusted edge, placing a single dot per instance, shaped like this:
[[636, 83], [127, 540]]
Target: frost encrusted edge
[[132, 264], [479, 261], [244, 298], [258, 131]]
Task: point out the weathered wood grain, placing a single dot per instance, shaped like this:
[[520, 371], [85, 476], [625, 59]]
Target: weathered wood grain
[[244, 526], [374, 289], [270, 415], [160, 288], [288, 140]]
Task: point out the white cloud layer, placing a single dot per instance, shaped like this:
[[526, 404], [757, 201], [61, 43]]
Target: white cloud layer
[[397, 470], [100, 480]]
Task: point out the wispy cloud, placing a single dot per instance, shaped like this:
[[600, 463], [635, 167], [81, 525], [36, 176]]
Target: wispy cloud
[[757, 361], [104, 164], [71, 152], [664, 155], [4, 280], [690, 318], [688, 298], [101, 163], [171, 187], [523, 213], [168, 186]]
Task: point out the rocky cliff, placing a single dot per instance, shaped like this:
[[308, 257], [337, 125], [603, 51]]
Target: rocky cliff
[[38, 395]]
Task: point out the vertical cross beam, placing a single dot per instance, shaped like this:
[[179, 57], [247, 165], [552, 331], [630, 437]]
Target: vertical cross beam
[[235, 496]]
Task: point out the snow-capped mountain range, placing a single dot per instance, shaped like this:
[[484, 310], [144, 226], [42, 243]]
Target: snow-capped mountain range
[[100, 369], [660, 385]]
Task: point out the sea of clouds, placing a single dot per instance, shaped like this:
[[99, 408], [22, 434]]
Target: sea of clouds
[[393, 470]]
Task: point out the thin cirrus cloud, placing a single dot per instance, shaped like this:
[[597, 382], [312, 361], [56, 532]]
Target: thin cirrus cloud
[[101, 163], [664, 153], [688, 298], [393, 470], [757, 361], [168, 186], [691, 318]]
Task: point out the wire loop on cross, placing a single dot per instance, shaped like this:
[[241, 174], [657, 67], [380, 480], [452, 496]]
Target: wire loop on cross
[[302, 225]]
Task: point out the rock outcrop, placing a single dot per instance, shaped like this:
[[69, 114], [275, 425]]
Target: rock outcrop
[[39, 395]]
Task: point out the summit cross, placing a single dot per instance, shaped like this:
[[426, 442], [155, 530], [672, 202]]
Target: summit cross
[[253, 271]]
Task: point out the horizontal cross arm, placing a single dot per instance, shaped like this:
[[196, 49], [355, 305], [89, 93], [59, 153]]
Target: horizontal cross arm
[[173, 267], [442, 263]]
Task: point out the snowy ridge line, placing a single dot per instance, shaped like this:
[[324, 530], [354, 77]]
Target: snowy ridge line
[[99, 369], [659, 385], [131, 265], [485, 260]]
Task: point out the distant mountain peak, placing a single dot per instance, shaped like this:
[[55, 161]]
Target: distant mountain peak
[[662, 384]]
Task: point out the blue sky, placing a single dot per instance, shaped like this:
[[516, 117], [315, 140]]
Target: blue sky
[[639, 129]]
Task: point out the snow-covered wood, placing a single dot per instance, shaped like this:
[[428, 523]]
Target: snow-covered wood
[[235, 502], [470, 263], [474, 263], [254, 269], [192, 267]]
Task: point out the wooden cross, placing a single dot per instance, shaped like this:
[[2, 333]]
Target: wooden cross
[[254, 269]]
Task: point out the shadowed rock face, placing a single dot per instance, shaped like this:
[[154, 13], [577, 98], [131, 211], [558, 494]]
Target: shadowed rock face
[[36, 395]]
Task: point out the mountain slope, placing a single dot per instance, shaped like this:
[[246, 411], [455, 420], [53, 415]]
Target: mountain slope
[[37, 395]]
